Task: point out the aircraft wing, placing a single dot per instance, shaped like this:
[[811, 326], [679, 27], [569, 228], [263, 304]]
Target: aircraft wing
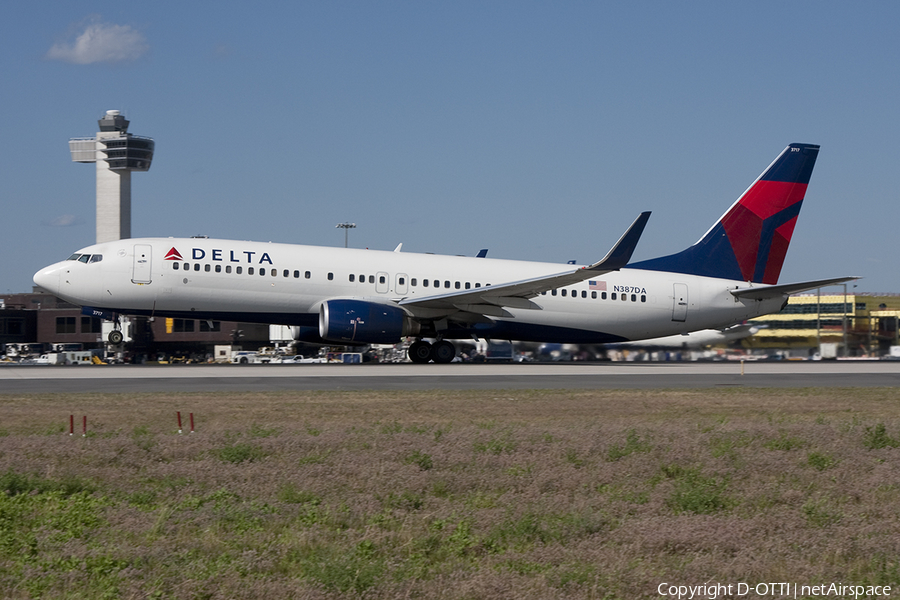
[[775, 291], [516, 294]]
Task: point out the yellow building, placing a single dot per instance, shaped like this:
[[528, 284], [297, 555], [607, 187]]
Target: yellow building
[[865, 323]]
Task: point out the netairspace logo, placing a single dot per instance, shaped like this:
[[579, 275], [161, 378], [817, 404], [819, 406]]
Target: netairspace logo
[[712, 591]]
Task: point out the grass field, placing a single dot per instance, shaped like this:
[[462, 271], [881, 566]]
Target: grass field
[[456, 495]]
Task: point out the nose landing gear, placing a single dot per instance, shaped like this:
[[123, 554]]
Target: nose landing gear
[[441, 352]]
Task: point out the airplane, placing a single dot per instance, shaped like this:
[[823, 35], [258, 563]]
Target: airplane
[[361, 297], [696, 339]]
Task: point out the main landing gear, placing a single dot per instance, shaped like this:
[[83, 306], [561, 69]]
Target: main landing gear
[[441, 352], [115, 336]]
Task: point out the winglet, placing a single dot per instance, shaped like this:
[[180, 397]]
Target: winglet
[[621, 253], [775, 291]]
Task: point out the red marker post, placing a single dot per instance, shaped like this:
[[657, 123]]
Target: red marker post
[[179, 420]]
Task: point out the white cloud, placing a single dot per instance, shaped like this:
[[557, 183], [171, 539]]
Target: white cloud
[[101, 42], [62, 221]]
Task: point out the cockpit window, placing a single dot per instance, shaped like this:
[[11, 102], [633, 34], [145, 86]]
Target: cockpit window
[[96, 258], [84, 258], [74, 257]]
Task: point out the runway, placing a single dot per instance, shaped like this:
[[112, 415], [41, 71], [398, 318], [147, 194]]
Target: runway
[[223, 378]]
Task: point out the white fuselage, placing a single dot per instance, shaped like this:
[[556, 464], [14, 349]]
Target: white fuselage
[[287, 284]]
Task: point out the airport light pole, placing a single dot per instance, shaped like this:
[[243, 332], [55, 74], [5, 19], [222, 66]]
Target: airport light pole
[[346, 227]]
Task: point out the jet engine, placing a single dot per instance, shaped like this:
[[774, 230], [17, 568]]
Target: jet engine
[[361, 322], [307, 335]]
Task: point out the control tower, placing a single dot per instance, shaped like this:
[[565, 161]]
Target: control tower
[[117, 153]]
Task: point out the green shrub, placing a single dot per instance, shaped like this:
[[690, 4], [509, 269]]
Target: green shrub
[[820, 461], [633, 443], [877, 438], [239, 453], [422, 460], [695, 492]]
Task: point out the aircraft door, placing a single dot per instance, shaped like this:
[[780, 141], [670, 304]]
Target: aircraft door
[[680, 302], [402, 286], [142, 263], [382, 282]]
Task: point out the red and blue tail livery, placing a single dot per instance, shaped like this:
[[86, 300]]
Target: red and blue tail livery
[[751, 239]]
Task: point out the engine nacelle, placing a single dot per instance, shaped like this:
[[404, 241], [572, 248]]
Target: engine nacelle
[[308, 335], [361, 322]]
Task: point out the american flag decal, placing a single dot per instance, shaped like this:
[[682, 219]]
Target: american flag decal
[[597, 285]]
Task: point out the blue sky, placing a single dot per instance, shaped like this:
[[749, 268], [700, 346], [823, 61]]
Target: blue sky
[[537, 130]]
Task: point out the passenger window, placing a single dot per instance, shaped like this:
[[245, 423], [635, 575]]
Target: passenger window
[[174, 265], [583, 294], [412, 282], [593, 295], [456, 285], [228, 268], [218, 268], [262, 272], [330, 276], [478, 285], [603, 295], [634, 297], [446, 284], [362, 278], [424, 283], [296, 274], [381, 279], [274, 272], [371, 279], [238, 270], [250, 271], [307, 274], [196, 266], [352, 277], [563, 292], [643, 298], [287, 273], [207, 268], [401, 281], [612, 296], [468, 285], [624, 297], [553, 292]]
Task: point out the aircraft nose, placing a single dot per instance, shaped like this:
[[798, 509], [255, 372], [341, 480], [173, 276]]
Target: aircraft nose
[[48, 279]]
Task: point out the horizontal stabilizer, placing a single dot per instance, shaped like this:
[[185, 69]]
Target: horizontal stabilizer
[[775, 291]]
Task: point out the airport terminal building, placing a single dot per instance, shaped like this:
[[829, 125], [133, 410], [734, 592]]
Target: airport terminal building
[[864, 324], [42, 321]]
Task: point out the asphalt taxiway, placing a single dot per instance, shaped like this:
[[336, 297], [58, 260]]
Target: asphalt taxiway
[[224, 378]]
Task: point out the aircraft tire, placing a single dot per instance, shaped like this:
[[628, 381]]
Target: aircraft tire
[[419, 352], [443, 352], [115, 337]]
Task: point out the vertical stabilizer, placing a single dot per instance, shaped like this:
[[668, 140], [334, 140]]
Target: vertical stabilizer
[[751, 239]]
